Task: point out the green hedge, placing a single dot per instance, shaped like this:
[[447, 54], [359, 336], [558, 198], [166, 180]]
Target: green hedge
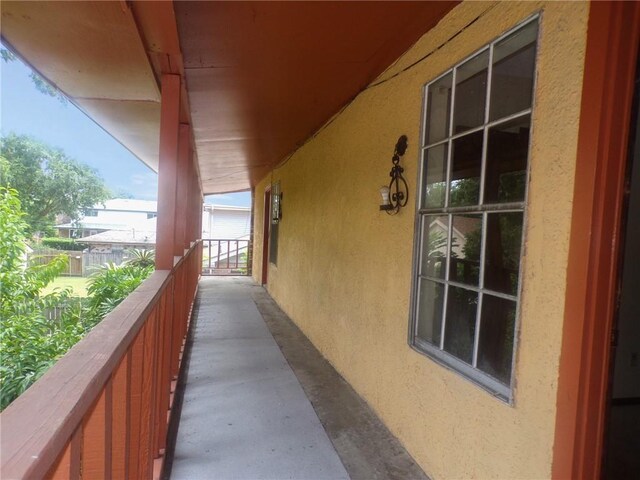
[[63, 243]]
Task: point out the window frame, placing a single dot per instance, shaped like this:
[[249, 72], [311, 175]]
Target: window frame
[[437, 353]]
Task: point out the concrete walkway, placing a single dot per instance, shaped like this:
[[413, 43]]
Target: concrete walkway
[[244, 414], [261, 402]]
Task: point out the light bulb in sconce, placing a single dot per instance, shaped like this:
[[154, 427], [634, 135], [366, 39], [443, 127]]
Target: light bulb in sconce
[[384, 193]]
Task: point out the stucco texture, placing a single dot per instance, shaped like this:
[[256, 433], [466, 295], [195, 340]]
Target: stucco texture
[[344, 267]]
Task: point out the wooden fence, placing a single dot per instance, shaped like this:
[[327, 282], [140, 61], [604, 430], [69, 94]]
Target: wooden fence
[[81, 264], [102, 411], [90, 261]]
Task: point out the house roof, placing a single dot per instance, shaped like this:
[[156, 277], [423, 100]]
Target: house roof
[[128, 205], [87, 224], [209, 206], [138, 231], [123, 237], [258, 77]]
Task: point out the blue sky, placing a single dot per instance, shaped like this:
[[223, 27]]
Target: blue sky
[[25, 110]]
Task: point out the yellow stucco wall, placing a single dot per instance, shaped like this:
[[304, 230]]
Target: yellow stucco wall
[[344, 269]]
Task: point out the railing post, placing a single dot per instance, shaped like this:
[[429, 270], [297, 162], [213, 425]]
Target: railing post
[[120, 418], [164, 380], [147, 416], [96, 438], [137, 359], [176, 340]]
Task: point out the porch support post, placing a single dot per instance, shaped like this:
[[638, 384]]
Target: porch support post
[[193, 207], [199, 205], [167, 170], [199, 200], [182, 192], [613, 37]]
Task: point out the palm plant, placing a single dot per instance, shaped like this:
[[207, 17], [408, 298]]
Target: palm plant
[[141, 257]]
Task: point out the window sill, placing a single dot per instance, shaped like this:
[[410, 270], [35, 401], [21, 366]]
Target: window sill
[[466, 371]]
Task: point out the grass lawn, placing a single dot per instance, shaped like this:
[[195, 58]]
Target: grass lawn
[[77, 284]]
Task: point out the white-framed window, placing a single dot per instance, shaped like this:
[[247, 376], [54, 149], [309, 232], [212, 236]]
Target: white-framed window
[[470, 214]]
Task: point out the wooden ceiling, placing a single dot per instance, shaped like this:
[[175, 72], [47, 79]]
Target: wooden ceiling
[[260, 77]]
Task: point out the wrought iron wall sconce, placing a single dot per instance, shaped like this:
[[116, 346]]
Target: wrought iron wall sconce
[[395, 196]]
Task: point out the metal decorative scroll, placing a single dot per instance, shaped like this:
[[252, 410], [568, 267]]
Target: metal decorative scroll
[[398, 189]]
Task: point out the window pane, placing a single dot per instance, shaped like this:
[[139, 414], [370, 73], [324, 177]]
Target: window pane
[[471, 93], [513, 72], [495, 343], [435, 176], [502, 254], [438, 108], [465, 170], [461, 323], [466, 237], [435, 233], [430, 311], [506, 169]]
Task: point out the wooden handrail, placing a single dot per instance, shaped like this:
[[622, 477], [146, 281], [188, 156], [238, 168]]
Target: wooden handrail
[[110, 390]]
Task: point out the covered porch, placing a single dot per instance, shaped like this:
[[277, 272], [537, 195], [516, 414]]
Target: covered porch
[[302, 104]]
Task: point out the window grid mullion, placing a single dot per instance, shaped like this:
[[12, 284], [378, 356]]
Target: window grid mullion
[[493, 293], [491, 207], [450, 144], [474, 360], [489, 81], [485, 133], [491, 124], [448, 175], [483, 256], [453, 100], [446, 284]]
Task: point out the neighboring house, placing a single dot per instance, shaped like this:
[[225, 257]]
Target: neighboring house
[[115, 214], [226, 231], [141, 235], [225, 222], [219, 222]]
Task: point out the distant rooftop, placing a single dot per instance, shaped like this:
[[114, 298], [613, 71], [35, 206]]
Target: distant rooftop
[[144, 233], [209, 206], [128, 205], [125, 237]]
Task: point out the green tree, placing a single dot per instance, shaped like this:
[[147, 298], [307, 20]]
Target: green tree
[[29, 342], [48, 182]]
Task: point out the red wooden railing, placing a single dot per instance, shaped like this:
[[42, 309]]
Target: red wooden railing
[[103, 409], [225, 256]]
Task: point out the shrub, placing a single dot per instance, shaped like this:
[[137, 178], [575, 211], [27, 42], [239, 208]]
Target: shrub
[[29, 342], [141, 257], [111, 284], [63, 243]]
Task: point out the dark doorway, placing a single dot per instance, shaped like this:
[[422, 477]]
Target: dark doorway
[[622, 443]]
